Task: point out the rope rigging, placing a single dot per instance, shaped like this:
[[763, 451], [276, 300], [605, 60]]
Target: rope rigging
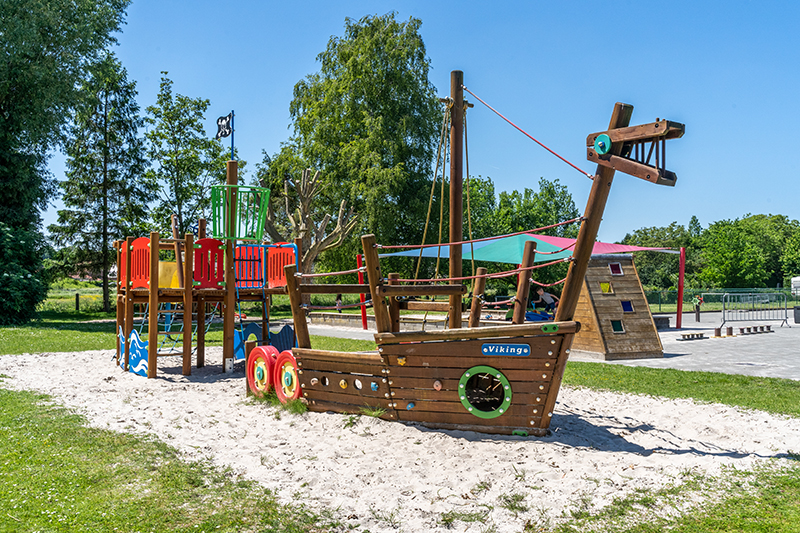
[[531, 137]]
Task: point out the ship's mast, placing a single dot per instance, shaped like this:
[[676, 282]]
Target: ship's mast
[[456, 187]]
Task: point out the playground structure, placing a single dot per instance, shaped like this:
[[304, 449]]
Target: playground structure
[[215, 272], [613, 312], [495, 379]]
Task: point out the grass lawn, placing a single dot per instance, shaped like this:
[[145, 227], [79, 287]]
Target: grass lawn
[[58, 475]]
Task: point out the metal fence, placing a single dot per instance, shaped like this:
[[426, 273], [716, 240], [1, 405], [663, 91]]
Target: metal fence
[[755, 307], [665, 301]]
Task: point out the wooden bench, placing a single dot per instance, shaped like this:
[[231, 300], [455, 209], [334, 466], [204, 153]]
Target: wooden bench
[[692, 336]]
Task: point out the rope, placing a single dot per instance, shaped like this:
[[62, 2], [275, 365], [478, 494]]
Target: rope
[[441, 204], [504, 302], [495, 275], [559, 282], [323, 274], [469, 211], [411, 246], [433, 184], [529, 135]]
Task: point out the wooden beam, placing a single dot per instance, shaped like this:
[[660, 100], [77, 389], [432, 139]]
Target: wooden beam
[[394, 308], [128, 328], [228, 326], [422, 305], [456, 188], [333, 288], [593, 215], [477, 295], [152, 324], [666, 129], [633, 168], [375, 280], [296, 302], [517, 330], [417, 290], [187, 275], [524, 283]]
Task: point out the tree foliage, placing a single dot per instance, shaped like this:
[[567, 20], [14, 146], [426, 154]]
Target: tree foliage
[[746, 252], [368, 121], [185, 161], [47, 48], [105, 193], [659, 269]]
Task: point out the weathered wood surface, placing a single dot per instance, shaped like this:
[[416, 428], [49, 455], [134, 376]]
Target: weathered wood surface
[[489, 332], [421, 290]]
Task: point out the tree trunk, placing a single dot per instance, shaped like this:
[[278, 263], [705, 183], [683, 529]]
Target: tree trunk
[[104, 214]]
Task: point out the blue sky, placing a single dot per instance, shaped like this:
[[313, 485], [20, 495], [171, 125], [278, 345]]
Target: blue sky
[[728, 70]]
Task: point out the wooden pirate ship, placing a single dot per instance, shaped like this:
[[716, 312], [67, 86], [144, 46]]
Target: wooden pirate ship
[[497, 379]]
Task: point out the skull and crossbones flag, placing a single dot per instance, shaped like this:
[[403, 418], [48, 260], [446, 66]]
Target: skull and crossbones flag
[[224, 126]]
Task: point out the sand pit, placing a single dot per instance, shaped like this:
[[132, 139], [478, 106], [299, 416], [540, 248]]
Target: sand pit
[[389, 476]]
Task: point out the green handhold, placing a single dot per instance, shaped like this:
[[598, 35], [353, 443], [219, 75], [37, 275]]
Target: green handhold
[[602, 144]]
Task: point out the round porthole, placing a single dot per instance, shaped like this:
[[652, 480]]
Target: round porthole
[[484, 392]]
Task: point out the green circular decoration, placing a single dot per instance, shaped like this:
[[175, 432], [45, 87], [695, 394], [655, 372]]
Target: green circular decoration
[[602, 144], [477, 390]]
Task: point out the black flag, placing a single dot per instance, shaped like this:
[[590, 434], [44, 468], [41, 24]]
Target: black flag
[[224, 126]]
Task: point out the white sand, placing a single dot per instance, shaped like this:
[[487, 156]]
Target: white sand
[[388, 476]]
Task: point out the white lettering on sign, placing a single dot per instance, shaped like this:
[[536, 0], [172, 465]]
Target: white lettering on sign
[[506, 349]]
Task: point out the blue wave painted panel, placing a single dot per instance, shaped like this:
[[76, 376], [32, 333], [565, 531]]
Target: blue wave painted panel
[[138, 359]]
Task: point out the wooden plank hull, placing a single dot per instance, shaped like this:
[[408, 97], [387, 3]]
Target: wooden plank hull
[[493, 385]]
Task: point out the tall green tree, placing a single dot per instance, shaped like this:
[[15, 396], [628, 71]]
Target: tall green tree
[[746, 252], [368, 121], [46, 49], [659, 270], [185, 161], [105, 193], [551, 204]]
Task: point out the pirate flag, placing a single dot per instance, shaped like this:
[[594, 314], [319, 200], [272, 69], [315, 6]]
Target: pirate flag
[[224, 126]]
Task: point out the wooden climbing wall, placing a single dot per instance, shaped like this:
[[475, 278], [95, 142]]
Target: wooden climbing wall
[[615, 318]]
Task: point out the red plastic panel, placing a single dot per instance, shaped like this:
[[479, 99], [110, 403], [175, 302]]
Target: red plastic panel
[[277, 258], [140, 263], [209, 263], [250, 266]]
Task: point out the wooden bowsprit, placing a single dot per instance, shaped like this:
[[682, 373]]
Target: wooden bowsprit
[[635, 156]]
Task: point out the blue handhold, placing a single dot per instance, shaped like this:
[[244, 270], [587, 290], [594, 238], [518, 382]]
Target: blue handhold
[[410, 406], [374, 386]]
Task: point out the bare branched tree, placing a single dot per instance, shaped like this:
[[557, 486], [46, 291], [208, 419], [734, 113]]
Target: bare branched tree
[[303, 220]]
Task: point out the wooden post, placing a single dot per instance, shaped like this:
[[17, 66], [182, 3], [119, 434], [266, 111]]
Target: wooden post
[[394, 305], [128, 328], [477, 293], [524, 283], [201, 228], [456, 186], [120, 314], [232, 178], [77, 301], [249, 346], [201, 331], [359, 264], [592, 216], [296, 303], [152, 318], [178, 255], [228, 326], [382, 321], [187, 275]]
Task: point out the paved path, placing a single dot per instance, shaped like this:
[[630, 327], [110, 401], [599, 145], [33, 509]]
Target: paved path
[[765, 354]]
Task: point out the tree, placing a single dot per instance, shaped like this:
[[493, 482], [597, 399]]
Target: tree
[[368, 120], [185, 161], [746, 252], [660, 270], [46, 48], [105, 192]]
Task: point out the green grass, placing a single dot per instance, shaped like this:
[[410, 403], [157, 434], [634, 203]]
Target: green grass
[[766, 394], [58, 475]]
